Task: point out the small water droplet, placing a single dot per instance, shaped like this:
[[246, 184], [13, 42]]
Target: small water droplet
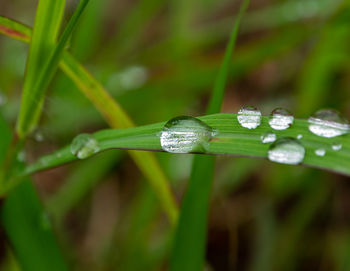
[[336, 146], [84, 146], [286, 151], [320, 152], [328, 123], [268, 137], [249, 117], [21, 156], [281, 119], [38, 136], [185, 134], [300, 136]]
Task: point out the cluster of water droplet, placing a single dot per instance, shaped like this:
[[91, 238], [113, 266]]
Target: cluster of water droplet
[[188, 134]]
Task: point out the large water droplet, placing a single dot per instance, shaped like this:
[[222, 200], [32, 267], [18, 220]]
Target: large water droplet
[[320, 152], [286, 151], [268, 137], [84, 145], [249, 117], [185, 134], [328, 123], [281, 119], [336, 146]]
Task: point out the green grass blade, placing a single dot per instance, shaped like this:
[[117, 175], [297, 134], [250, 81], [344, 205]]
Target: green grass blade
[[112, 112], [28, 229], [25, 223], [33, 94], [232, 139], [191, 233], [47, 24], [220, 82]]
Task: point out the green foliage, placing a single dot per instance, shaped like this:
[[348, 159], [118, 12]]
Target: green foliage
[[41, 67]]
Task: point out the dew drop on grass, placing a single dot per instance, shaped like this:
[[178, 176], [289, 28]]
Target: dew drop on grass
[[84, 146], [336, 146], [249, 117], [268, 137], [286, 151], [185, 134], [320, 152], [328, 123], [281, 119]]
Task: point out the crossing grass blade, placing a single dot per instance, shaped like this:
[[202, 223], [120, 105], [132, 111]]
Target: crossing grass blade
[[191, 234], [112, 112], [39, 77]]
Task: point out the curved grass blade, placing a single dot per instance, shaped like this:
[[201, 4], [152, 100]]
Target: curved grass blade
[[232, 139], [191, 233], [113, 113], [39, 79]]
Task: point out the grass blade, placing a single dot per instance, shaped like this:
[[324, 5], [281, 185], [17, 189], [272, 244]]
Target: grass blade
[[191, 233], [113, 113], [47, 24], [24, 223], [232, 139], [38, 81]]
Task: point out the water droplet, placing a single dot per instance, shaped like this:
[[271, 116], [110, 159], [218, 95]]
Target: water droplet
[[84, 145], [320, 152], [328, 123], [249, 117], [281, 119], [300, 136], [268, 137], [21, 156], [185, 134], [286, 151], [336, 146], [38, 136]]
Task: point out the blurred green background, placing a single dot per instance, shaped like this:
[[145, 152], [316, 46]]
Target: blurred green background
[[159, 59]]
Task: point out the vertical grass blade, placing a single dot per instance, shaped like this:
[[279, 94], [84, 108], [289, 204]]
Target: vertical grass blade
[[46, 27], [190, 237], [33, 94], [112, 112]]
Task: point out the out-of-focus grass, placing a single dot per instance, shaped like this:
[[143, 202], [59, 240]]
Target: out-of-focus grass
[[290, 53]]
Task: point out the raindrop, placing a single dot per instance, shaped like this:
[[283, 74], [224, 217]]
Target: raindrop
[[38, 136], [328, 123], [320, 152], [281, 119], [21, 156], [84, 145], [336, 146], [185, 134], [286, 151], [268, 137], [249, 117]]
